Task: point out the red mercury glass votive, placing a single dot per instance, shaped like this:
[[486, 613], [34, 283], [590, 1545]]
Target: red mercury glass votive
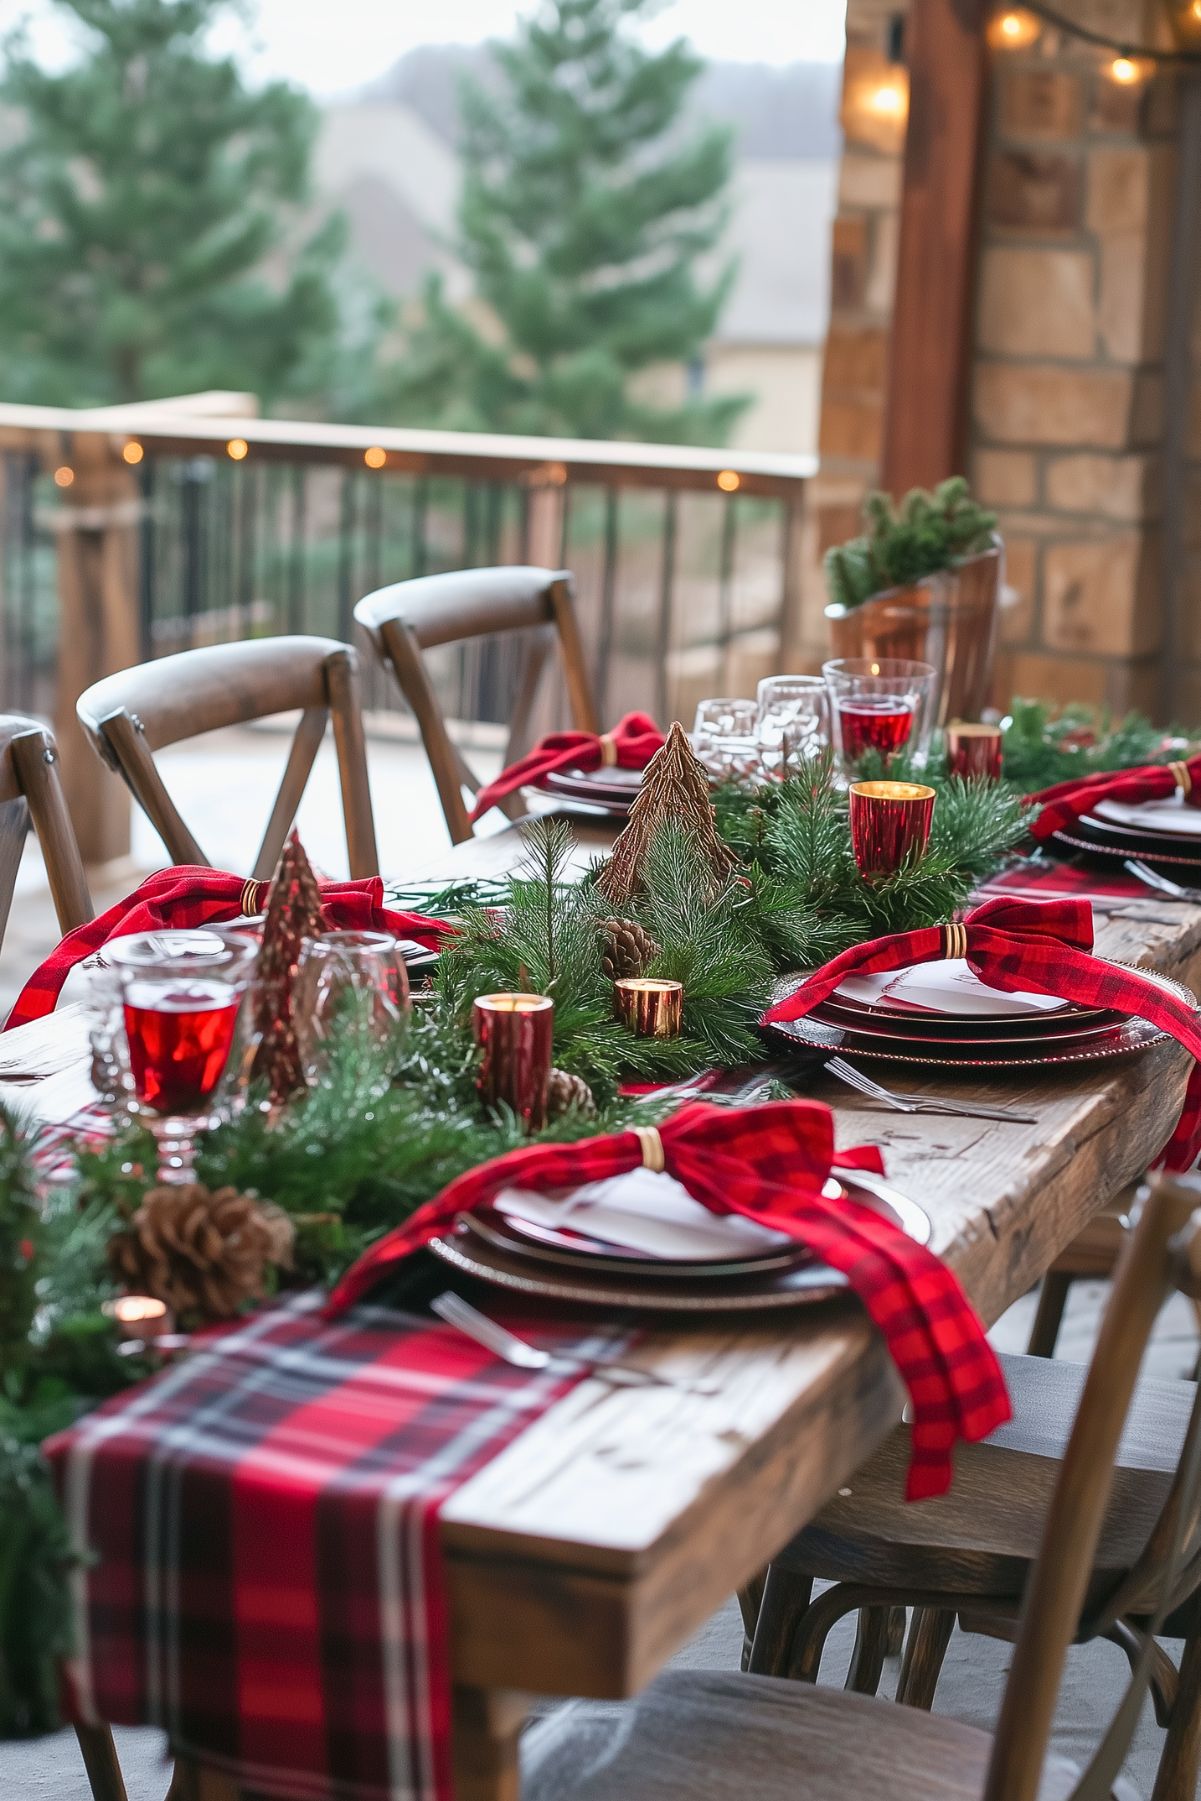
[[974, 751], [890, 825], [515, 1035]]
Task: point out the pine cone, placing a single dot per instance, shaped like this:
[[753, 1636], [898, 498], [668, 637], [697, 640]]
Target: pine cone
[[628, 948], [204, 1254], [563, 1090]]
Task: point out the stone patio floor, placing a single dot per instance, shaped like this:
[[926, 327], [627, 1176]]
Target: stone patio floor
[[224, 786]]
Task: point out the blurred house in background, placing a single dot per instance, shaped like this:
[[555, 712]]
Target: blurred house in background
[[389, 161]]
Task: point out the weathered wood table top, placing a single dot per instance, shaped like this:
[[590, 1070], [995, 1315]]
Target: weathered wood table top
[[586, 1554]]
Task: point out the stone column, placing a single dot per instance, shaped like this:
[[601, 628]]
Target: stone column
[[1067, 417], [1068, 392]]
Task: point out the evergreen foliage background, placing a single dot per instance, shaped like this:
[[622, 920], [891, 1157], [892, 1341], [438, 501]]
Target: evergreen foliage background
[[150, 207], [584, 217]]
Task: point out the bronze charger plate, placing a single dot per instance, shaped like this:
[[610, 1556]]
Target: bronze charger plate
[[803, 1282]]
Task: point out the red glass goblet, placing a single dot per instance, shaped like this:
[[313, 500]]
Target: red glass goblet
[[890, 825], [881, 704], [180, 997]]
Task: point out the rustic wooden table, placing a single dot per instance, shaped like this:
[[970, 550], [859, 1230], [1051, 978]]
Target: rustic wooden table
[[591, 1549]]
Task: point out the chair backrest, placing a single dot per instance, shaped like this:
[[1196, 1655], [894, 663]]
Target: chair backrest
[[408, 618], [31, 794], [130, 715], [1164, 1252]]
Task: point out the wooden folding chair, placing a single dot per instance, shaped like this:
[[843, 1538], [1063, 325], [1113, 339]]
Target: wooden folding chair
[[969, 1554], [709, 1737], [409, 618], [31, 795], [130, 715]]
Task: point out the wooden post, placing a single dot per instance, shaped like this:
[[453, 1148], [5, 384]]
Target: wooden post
[[98, 628], [929, 364]]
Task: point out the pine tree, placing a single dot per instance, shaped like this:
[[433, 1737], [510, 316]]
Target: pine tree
[[144, 195], [584, 213]]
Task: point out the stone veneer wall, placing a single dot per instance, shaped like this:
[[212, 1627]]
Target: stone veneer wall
[[1067, 405]]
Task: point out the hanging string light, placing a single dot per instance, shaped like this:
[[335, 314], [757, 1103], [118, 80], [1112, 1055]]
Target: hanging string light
[[888, 95], [1016, 27]]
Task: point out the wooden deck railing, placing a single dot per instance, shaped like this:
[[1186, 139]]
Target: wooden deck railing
[[128, 532]]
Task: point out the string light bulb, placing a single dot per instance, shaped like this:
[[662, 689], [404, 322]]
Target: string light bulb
[[237, 449], [728, 480], [1014, 28], [1126, 71], [132, 452], [888, 98], [375, 456]]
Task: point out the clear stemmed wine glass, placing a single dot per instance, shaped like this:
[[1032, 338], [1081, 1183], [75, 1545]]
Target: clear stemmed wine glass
[[354, 983]]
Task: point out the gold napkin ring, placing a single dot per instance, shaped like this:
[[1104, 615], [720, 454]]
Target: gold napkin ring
[[608, 749], [652, 1148], [954, 941], [249, 902], [1182, 778]]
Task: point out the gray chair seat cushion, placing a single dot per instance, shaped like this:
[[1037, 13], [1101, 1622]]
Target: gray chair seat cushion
[[981, 1537], [713, 1737]]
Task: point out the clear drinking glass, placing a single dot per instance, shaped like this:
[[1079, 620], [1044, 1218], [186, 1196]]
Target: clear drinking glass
[[720, 725], [885, 704], [180, 994], [793, 721], [354, 983]]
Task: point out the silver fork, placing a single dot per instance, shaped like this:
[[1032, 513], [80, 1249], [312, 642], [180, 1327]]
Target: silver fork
[[921, 1103], [518, 1351], [1162, 884]]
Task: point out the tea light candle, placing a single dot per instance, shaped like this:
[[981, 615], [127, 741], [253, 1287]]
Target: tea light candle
[[515, 1033], [974, 750], [650, 1007], [890, 822], [139, 1316]]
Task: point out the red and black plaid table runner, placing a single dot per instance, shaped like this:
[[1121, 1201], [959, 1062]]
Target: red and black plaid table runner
[[264, 1580]]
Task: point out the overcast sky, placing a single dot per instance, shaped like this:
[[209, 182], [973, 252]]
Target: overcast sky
[[330, 48]]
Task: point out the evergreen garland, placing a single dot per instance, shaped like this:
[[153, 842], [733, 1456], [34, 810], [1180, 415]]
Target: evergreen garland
[[1042, 747]]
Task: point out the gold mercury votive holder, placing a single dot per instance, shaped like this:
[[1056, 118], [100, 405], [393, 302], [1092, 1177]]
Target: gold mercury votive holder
[[649, 1006], [139, 1316]]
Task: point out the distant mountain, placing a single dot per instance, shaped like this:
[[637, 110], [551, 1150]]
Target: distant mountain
[[777, 113]]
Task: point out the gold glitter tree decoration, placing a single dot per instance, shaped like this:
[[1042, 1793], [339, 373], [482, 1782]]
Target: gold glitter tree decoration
[[674, 788], [293, 914]]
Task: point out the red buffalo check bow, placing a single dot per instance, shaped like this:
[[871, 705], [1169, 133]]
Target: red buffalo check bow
[[1062, 805], [630, 745], [190, 896], [259, 1568], [768, 1163], [1039, 946]]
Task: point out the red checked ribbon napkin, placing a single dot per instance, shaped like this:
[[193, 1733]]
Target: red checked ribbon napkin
[[1062, 805], [1039, 946], [192, 895], [768, 1163], [630, 745], [260, 1573]]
